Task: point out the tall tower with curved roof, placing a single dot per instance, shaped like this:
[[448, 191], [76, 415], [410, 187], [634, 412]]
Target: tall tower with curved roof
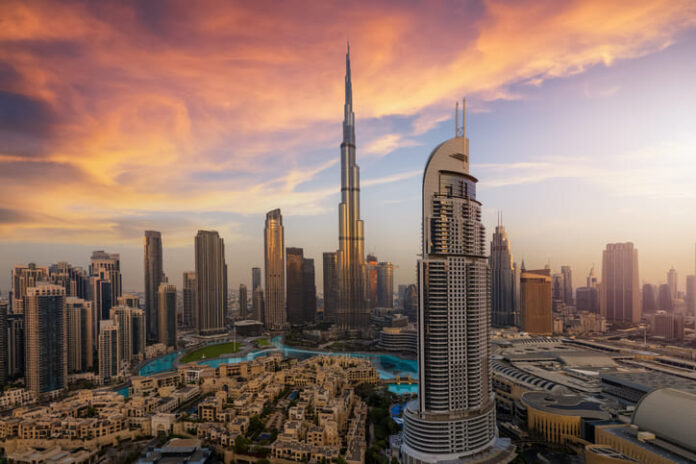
[[453, 419]]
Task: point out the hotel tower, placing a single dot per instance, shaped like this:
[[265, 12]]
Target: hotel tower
[[352, 312], [453, 419]]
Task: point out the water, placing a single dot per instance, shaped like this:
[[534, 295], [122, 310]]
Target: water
[[388, 366], [123, 392]]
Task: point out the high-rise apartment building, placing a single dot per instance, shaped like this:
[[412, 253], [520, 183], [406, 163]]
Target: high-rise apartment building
[[255, 278], [274, 265], [619, 292], [4, 359], [294, 288], [188, 297], [166, 299], [211, 284], [503, 280], [371, 280], [23, 277], [46, 361], [536, 316], [154, 276], [672, 280], [243, 301], [453, 419], [132, 332], [132, 301], [352, 312], [109, 350], [330, 273], [79, 314], [108, 266], [15, 345], [73, 279], [669, 326], [309, 291]]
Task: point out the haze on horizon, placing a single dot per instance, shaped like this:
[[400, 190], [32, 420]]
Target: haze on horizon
[[117, 117]]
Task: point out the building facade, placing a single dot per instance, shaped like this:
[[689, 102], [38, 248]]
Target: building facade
[[274, 265], [454, 416], [46, 339], [243, 301], [79, 328], [188, 299], [211, 283], [619, 292], [330, 273], [535, 302], [154, 276], [109, 359]]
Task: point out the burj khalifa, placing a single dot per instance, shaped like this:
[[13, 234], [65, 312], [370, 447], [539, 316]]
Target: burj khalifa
[[352, 312]]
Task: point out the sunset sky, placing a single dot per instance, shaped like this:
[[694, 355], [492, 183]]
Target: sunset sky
[[116, 117]]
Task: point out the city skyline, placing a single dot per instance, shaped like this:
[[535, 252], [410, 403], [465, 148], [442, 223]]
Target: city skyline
[[112, 189]]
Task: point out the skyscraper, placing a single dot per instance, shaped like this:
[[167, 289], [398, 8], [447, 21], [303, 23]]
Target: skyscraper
[[502, 279], [309, 291], [4, 359], [166, 299], [109, 350], [23, 277], [535, 302], [619, 292], [79, 328], [132, 328], [211, 283], [188, 296], [46, 339], [371, 268], [453, 418], [665, 302], [691, 295], [256, 302], [73, 279], [672, 282], [132, 301], [154, 276], [15, 345], [330, 286], [108, 265], [293, 266], [274, 254], [567, 285], [385, 285], [243, 301], [352, 310], [649, 299]]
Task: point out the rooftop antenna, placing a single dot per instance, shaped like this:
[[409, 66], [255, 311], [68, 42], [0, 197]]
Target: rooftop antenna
[[464, 117]]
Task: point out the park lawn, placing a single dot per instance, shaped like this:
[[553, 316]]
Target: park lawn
[[262, 342], [212, 351]]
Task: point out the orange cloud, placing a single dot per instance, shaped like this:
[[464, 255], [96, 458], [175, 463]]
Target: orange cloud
[[150, 101]]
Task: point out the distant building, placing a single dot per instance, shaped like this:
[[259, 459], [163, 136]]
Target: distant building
[[15, 345], [166, 299], [649, 299], [330, 286], [503, 280], [293, 267], [535, 302], [274, 254], [309, 291], [258, 305], [664, 298], [587, 299], [669, 326], [73, 279], [567, 294], [188, 297], [109, 359], [79, 329], [243, 301], [211, 283], [385, 285], [154, 276], [132, 301], [672, 281], [691, 294], [619, 292], [46, 339], [256, 310]]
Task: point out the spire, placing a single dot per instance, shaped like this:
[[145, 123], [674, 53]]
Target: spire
[[349, 85]]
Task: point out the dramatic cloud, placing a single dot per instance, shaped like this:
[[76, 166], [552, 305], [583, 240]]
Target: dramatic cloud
[[110, 110]]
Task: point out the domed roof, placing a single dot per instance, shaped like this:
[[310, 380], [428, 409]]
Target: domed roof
[[670, 414]]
